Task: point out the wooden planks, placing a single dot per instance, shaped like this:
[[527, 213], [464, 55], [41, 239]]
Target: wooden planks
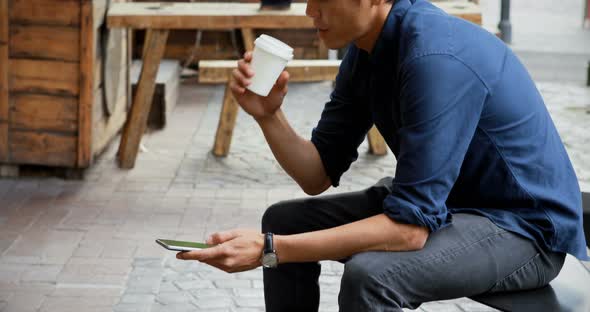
[[44, 113], [86, 84], [40, 76], [299, 70], [53, 149], [46, 12], [4, 63], [136, 123], [42, 42], [207, 15]]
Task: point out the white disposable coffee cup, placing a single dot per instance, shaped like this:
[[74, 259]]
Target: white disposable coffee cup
[[269, 58]]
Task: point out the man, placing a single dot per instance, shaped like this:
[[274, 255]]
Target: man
[[484, 197]]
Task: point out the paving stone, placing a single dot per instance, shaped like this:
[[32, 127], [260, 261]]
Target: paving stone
[[143, 284], [168, 298], [250, 275], [118, 248], [210, 293], [232, 283], [133, 307], [88, 250], [249, 302], [257, 284], [95, 271], [41, 273], [24, 301], [208, 304], [74, 304], [248, 293], [194, 284]]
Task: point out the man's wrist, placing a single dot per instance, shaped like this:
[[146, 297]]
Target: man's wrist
[[279, 243], [268, 120]]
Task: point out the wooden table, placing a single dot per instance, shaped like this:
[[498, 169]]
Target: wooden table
[[159, 18]]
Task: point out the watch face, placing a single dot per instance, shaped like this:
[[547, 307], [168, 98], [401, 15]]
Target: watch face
[[269, 260]]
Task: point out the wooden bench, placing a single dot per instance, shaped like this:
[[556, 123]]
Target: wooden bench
[[569, 291], [299, 70], [159, 18]]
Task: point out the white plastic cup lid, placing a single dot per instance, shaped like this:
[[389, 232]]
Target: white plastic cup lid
[[274, 46]]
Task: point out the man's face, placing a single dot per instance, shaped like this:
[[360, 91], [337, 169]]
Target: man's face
[[340, 22]]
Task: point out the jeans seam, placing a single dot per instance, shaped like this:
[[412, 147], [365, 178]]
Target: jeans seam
[[522, 266]]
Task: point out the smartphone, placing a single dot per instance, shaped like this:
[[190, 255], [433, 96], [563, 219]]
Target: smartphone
[[181, 245]]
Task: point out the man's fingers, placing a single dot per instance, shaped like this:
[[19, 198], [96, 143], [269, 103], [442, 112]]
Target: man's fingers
[[237, 89], [202, 254], [248, 56], [221, 237], [245, 68], [240, 79], [283, 79]]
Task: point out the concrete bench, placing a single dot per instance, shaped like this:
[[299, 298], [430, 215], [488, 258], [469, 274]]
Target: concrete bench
[[299, 70], [569, 291]]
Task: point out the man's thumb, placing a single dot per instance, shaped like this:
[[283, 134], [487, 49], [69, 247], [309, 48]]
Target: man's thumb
[[221, 237], [282, 81]]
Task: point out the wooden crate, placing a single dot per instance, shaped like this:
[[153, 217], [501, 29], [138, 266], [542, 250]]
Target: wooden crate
[[53, 107]]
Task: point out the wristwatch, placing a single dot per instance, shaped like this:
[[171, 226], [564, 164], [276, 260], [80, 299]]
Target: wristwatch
[[269, 256]]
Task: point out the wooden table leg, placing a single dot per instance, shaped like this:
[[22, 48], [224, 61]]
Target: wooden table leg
[[155, 43], [377, 144], [248, 38], [227, 122]]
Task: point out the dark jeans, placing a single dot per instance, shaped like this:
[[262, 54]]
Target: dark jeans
[[469, 257]]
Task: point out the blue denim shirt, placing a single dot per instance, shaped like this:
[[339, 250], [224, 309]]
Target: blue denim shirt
[[466, 123]]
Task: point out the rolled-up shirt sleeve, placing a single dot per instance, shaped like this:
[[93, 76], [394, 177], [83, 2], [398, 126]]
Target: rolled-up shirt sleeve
[[441, 102], [343, 124]]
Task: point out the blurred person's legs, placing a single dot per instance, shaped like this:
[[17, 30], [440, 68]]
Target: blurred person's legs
[[470, 257]]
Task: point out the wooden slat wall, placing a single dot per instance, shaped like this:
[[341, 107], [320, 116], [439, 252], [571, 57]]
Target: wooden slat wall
[[45, 12], [54, 66], [42, 42], [4, 156], [44, 113], [41, 76], [44, 75], [47, 148]]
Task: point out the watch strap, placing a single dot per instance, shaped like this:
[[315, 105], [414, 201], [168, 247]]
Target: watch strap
[[268, 243]]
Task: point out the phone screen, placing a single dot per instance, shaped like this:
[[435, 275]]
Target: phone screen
[[181, 245]]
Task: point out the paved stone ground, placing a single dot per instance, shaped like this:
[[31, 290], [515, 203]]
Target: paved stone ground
[[89, 245]]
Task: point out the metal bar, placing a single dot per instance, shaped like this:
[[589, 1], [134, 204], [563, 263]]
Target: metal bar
[[505, 26]]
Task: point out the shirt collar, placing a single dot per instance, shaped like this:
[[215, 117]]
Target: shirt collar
[[386, 40]]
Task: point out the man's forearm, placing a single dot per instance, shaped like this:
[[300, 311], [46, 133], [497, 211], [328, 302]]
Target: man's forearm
[[297, 156], [377, 233]]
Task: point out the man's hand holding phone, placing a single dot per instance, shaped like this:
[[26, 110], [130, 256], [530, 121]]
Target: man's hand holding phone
[[231, 251]]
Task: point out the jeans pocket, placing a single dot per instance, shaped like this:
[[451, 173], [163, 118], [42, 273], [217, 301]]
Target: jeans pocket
[[526, 277]]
